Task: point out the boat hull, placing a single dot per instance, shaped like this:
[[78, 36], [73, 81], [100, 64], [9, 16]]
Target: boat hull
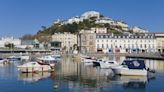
[[130, 72], [106, 65]]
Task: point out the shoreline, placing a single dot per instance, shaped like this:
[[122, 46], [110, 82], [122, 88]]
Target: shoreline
[[153, 56]]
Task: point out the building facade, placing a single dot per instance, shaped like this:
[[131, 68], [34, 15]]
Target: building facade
[[67, 40], [90, 14], [86, 42], [136, 29], [109, 43], [10, 40], [87, 39], [160, 42]]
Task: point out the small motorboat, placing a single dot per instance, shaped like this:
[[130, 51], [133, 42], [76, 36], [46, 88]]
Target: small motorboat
[[4, 61], [13, 58], [24, 57], [32, 67], [97, 62], [131, 67], [88, 60], [107, 63], [50, 58]]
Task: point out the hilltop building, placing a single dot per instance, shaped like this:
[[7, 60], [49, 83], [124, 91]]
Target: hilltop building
[[136, 29], [94, 30], [90, 14]]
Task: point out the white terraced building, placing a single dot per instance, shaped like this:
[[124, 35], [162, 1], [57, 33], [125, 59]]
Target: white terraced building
[[109, 43], [10, 40]]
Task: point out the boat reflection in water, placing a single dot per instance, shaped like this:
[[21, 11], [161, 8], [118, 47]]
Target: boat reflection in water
[[133, 82], [33, 77]]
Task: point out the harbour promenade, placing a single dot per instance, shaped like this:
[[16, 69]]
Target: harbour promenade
[[155, 56]]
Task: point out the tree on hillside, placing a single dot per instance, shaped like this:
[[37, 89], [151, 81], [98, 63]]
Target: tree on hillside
[[9, 45], [27, 37]]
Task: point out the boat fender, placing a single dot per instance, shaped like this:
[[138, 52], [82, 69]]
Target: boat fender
[[149, 70]]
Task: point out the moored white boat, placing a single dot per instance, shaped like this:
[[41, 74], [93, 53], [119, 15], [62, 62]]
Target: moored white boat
[[25, 57], [31, 67], [13, 58], [88, 60], [3, 61], [50, 58], [107, 63], [131, 67]]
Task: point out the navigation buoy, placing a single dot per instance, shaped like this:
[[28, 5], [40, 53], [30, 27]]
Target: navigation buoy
[[56, 86]]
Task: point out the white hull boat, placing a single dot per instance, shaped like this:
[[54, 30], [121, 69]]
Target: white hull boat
[[23, 57], [4, 61], [31, 67], [50, 58], [131, 67], [107, 63], [88, 61]]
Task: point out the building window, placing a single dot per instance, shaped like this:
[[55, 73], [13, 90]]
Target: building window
[[91, 43], [98, 46], [124, 46], [91, 37], [97, 40], [145, 45], [149, 46], [107, 46], [103, 36], [132, 45], [106, 36], [102, 45]]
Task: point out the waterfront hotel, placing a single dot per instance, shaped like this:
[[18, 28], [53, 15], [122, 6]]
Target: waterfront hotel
[[126, 43]]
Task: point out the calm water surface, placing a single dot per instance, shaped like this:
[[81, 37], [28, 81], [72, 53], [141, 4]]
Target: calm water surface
[[73, 76]]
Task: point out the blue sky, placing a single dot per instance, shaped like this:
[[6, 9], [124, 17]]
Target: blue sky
[[19, 17]]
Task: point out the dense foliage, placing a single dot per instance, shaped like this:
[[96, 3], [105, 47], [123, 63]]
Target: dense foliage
[[72, 28]]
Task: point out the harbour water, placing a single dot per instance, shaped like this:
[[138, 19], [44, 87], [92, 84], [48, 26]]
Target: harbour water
[[71, 75]]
